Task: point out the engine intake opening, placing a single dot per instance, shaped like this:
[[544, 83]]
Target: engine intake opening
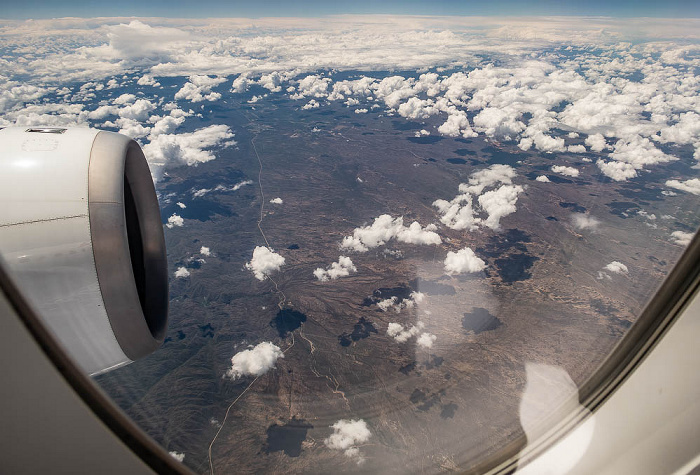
[[145, 236], [128, 244]]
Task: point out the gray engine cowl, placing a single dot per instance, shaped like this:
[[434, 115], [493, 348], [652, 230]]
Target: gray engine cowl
[[81, 234]]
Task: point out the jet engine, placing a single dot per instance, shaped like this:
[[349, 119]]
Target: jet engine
[[81, 234]]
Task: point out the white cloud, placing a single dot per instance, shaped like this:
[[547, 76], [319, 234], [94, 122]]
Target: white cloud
[[147, 80], [567, 171], [181, 205], [499, 203], [401, 335], [312, 104], [347, 434], [175, 220], [691, 186], [616, 267], [596, 142], [264, 262], [632, 154], [542, 179], [240, 84], [132, 128], [426, 340], [461, 213], [416, 108], [125, 99], [198, 89], [138, 41], [584, 221], [385, 228], [681, 238], [342, 268], [312, 86], [177, 456], [182, 272], [164, 125], [276, 201], [14, 94], [410, 302], [189, 148], [205, 251], [241, 184], [254, 361], [457, 124], [463, 261], [618, 171]]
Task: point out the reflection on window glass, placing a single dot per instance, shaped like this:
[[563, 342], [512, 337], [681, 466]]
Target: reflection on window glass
[[380, 228]]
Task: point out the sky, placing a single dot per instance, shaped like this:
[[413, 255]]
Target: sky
[[38, 9]]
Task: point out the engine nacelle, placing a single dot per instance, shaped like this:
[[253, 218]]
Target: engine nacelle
[[81, 233]]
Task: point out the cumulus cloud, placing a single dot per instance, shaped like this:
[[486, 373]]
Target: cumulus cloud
[[205, 251], [691, 186], [463, 213], [399, 304], [342, 268], [426, 340], [542, 179], [616, 267], [618, 171], [276, 201], [177, 456], [681, 238], [147, 80], [584, 221], [402, 335], [457, 124], [463, 261], [254, 361], [312, 104], [347, 434], [385, 228], [164, 125], [240, 84], [264, 262], [189, 148], [182, 272], [175, 220], [125, 99], [567, 171], [198, 89], [596, 142], [499, 203], [181, 205], [14, 94]]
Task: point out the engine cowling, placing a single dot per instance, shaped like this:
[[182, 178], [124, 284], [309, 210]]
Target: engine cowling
[[81, 233]]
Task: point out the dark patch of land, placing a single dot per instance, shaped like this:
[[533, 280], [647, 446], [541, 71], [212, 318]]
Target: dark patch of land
[[286, 321], [480, 320], [288, 437]]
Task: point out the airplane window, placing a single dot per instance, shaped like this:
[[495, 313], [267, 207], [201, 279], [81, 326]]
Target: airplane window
[[386, 235]]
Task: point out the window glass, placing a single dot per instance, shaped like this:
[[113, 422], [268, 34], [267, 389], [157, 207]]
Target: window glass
[[381, 228]]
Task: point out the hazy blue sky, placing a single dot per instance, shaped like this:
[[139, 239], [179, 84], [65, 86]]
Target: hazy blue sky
[[21, 9]]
